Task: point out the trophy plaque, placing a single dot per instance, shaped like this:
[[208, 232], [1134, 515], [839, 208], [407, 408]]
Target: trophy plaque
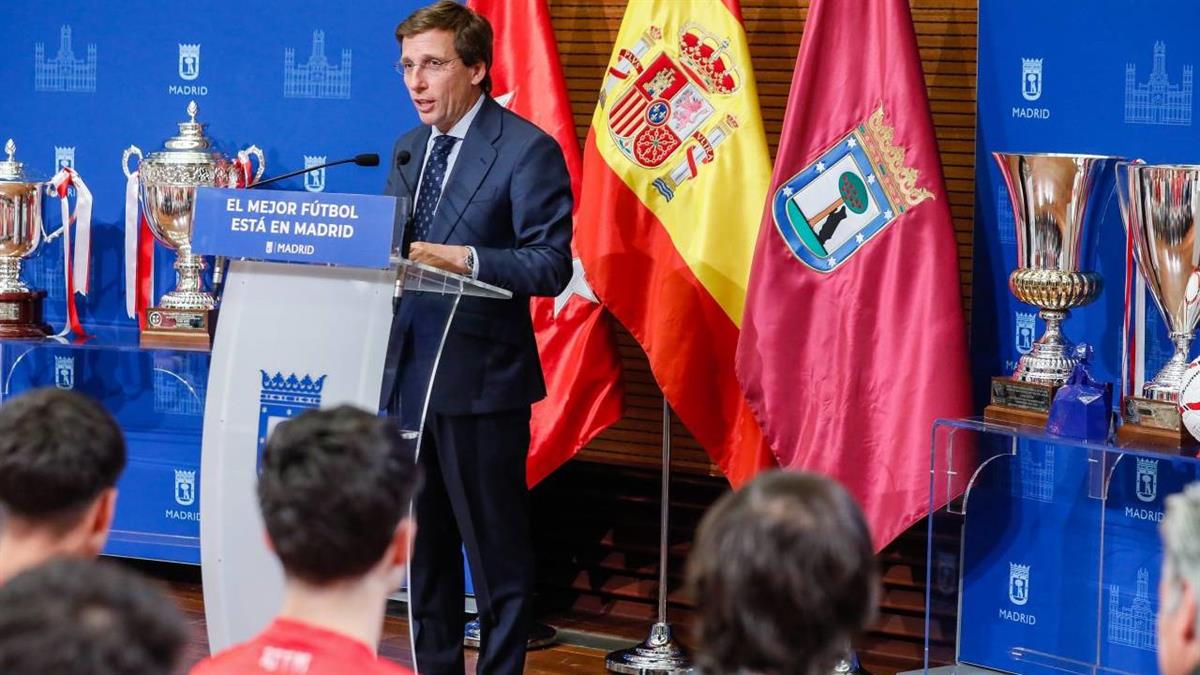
[[1054, 205], [167, 182], [1160, 207], [20, 235]]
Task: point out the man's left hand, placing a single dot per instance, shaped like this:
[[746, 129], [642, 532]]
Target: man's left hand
[[441, 256]]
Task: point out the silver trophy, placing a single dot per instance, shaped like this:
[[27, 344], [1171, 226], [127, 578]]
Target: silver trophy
[[20, 235], [1160, 206], [1055, 211], [167, 191]]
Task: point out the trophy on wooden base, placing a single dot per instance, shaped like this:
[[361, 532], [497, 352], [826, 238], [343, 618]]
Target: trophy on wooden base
[[20, 235], [1054, 205], [1160, 206], [167, 182]]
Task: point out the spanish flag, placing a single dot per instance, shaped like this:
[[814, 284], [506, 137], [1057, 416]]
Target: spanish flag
[[675, 174]]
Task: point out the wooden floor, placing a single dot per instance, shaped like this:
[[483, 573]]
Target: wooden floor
[[568, 657], [183, 585]]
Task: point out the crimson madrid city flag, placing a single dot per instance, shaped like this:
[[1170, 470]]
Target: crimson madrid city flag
[[853, 339]]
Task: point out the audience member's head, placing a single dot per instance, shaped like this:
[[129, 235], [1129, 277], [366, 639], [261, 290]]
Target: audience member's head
[[334, 491], [60, 456], [784, 574], [82, 616], [1178, 629]]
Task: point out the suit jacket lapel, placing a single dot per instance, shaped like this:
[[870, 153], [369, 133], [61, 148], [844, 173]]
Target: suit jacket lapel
[[412, 170], [474, 160]]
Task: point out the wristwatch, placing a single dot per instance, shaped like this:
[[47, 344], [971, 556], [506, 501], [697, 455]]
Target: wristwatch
[[469, 261]]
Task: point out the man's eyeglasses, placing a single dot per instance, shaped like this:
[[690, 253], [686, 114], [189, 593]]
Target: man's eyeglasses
[[429, 65]]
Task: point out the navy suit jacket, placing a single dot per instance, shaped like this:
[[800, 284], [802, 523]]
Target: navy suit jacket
[[509, 196]]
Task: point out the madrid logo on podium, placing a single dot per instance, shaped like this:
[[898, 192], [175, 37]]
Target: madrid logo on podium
[[64, 72], [64, 372], [185, 487], [316, 78], [1157, 100], [1018, 583], [282, 398], [314, 181]]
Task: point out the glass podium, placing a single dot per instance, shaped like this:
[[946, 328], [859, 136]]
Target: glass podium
[[1043, 552], [157, 396]]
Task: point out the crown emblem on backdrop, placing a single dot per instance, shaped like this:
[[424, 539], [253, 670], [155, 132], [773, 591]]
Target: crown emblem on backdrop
[[1146, 465], [1018, 570], [704, 54], [292, 389]]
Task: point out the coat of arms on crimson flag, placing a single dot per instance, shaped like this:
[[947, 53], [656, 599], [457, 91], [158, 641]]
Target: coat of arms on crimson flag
[[854, 190]]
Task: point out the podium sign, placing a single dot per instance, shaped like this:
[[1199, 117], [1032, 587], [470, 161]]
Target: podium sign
[[284, 226]]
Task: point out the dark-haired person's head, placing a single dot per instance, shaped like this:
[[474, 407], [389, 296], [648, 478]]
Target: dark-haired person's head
[[60, 456], [784, 574], [334, 491], [83, 616], [445, 56]]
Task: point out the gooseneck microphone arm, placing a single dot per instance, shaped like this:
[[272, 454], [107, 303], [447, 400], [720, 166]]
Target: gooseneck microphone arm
[[370, 159], [402, 158]]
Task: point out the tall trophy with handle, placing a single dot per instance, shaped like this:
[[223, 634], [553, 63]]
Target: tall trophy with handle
[[167, 182], [1160, 206], [1056, 212]]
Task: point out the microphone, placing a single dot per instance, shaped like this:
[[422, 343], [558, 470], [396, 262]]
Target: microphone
[[368, 159]]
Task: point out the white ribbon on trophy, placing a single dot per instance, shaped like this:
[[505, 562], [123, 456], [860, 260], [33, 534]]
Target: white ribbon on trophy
[[76, 260], [132, 231]]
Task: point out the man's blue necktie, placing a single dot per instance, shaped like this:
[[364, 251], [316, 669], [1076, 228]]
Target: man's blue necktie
[[431, 187]]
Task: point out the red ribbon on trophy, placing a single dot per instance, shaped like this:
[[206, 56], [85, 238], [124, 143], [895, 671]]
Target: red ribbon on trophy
[[76, 258]]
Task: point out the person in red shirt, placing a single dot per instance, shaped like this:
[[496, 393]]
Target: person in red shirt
[[335, 490]]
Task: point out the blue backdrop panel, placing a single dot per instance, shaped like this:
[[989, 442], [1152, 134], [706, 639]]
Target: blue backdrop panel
[[1018, 588], [1112, 77], [1097, 76], [84, 80]]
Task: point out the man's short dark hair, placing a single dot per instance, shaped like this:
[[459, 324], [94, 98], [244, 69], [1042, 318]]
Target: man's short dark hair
[[58, 451], [472, 33], [84, 616], [335, 484], [784, 574]]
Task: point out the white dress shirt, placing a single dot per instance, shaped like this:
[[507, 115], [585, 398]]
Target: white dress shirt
[[459, 131]]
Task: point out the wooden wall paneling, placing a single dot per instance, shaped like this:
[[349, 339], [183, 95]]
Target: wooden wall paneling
[[629, 452]]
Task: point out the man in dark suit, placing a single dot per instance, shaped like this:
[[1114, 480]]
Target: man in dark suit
[[492, 200]]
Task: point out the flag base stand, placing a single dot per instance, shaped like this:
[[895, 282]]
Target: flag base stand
[[658, 654], [849, 665], [540, 635]]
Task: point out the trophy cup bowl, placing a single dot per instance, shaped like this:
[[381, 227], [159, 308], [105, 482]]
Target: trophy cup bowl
[[167, 182], [20, 235], [1160, 207], [1054, 199]]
